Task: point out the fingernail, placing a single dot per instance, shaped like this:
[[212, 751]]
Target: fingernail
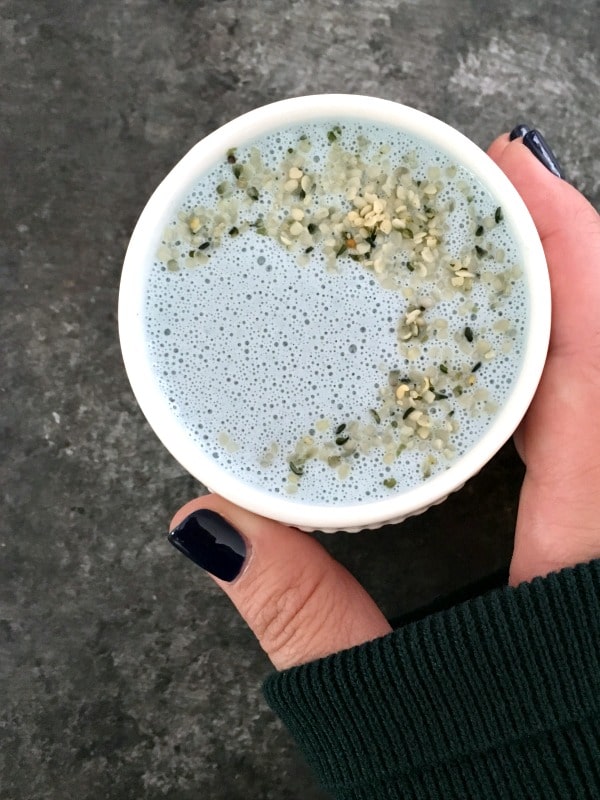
[[211, 542], [539, 147], [518, 132]]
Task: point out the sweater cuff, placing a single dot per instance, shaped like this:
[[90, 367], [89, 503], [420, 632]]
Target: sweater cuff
[[501, 692]]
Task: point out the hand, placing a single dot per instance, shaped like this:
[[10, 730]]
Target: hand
[[302, 604], [558, 523]]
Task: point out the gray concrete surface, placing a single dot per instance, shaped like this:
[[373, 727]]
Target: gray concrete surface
[[124, 672]]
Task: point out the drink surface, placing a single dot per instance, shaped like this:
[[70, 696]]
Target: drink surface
[[337, 312]]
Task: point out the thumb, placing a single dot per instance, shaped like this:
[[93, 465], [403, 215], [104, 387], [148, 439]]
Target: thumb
[[298, 600]]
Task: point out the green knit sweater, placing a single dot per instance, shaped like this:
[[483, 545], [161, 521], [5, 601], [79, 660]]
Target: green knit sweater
[[496, 698]]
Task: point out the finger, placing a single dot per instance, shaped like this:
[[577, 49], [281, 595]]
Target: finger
[[298, 600], [570, 231], [569, 228], [498, 146]]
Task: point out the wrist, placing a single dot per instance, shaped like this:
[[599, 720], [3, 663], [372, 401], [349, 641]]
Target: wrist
[[558, 524]]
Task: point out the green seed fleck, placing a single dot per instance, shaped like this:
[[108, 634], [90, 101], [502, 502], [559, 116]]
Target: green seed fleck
[[311, 227], [252, 192], [375, 415], [444, 369], [297, 469], [237, 171], [408, 412], [340, 428], [476, 367], [334, 133], [341, 250], [389, 483], [342, 440], [259, 225], [499, 215], [203, 246], [407, 233], [479, 231], [234, 231], [468, 334], [481, 251]]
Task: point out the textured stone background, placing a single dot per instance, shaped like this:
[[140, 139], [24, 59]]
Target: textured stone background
[[125, 673]]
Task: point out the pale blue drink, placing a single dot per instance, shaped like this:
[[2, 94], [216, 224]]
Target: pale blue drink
[[263, 329]]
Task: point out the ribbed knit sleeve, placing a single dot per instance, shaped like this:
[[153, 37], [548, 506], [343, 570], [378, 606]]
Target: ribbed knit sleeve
[[496, 698]]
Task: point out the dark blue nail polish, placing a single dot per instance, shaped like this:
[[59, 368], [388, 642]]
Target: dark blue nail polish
[[541, 150], [211, 542], [518, 132]]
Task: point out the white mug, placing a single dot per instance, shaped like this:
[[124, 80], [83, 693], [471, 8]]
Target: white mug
[[141, 256]]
